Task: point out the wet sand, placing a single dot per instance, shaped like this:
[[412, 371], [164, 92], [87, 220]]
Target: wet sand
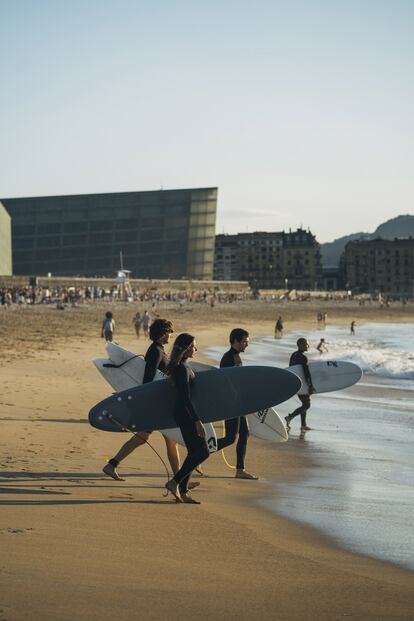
[[76, 544]]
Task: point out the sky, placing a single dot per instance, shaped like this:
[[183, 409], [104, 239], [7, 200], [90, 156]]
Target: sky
[[300, 112]]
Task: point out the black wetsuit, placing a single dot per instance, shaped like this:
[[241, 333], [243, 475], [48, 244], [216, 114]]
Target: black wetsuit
[[299, 357], [238, 425], [155, 358], [186, 418]]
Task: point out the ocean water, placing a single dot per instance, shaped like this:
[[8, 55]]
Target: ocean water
[[359, 486]]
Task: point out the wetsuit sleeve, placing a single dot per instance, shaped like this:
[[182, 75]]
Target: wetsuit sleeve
[[299, 358], [227, 360], [152, 360], [183, 389], [306, 372]]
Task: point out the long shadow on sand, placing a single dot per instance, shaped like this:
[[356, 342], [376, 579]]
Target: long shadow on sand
[[31, 503], [26, 476], [79, 477], [25, 490], [78, 480], [44, 420]]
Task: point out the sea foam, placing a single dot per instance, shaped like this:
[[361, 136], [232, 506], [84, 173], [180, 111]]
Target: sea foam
[[373, 359]]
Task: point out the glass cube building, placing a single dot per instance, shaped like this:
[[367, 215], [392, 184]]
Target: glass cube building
[[161, 234]]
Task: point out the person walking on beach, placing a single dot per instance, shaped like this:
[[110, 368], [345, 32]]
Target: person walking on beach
[[137, 321], [279, 327], [192, 429], [145, 324], [353, 323], [298, 357], [322, 346], [108, 327], [239, 340], [155, 358]]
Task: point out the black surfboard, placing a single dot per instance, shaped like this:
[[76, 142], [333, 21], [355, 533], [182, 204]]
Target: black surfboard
[[218, 394]]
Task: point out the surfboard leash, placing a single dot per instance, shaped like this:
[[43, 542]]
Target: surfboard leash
[[222, 450], [136, 433], [111, 365]]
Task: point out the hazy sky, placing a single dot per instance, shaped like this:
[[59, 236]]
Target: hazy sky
[[301, 112]]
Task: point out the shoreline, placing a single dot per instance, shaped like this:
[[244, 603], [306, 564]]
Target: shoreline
[[63, 523]]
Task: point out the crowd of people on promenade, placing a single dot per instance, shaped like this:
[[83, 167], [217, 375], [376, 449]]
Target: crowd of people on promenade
[[76, 296]]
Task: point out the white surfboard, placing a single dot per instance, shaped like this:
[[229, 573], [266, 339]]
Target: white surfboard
[[328, 375], [266, 425], [129, 375]]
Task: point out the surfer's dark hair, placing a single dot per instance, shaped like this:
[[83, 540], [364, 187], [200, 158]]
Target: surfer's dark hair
[[181, 345], [301, 341], [238, 334], [159, 327], [108, 315]]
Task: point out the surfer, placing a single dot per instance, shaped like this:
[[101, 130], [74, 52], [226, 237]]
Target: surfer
[[155, 358], [192, 429], [322, 346], [239, 340], [353, 323], [279, 327], [108, 327], [298, 357]]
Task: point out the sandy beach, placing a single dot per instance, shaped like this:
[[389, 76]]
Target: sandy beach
[[77, 545]]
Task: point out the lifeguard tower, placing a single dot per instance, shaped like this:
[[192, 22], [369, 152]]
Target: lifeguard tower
[[122, 281]]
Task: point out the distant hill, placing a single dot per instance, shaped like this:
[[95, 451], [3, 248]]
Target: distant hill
[[401, 226]]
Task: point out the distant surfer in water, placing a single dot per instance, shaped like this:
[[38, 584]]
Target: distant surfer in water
[[353, 328], [298, 357], [192, 429], [239, 340], [279, 327], [322, 346], [155, 358]]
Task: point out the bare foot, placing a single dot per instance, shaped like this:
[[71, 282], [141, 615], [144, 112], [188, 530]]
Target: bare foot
[[242, 474], [193, 484], [110, 471], [306, 428], [200, 471], [189, 500], [172, 487]]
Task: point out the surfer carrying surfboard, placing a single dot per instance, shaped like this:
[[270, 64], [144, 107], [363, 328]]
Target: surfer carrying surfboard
[[239, 340], [298, 357], [192, 429], [155, 358]]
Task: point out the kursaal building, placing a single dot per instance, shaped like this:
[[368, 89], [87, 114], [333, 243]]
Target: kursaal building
[[161, 234]]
